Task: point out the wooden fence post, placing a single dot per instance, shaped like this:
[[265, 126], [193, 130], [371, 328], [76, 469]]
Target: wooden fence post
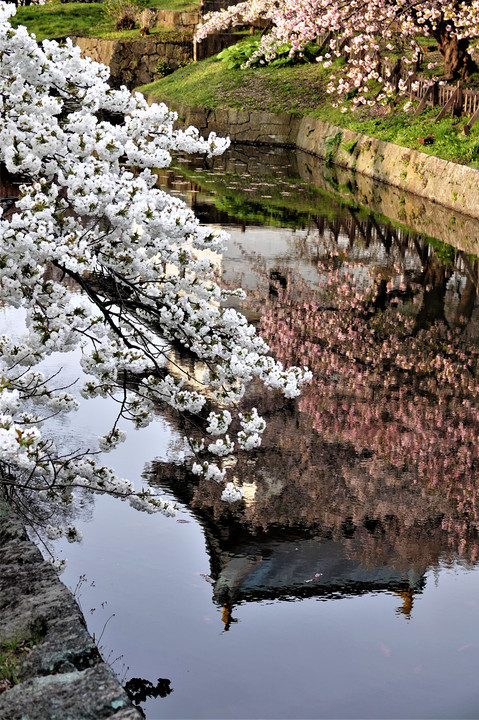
[[456, 109], [424, 99], [467, 127], [451, 103]]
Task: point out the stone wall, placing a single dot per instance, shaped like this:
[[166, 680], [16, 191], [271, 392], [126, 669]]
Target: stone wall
[[133, 62], [63, 676], [177, 20], [215, 43], [241, 125], [452, 185]]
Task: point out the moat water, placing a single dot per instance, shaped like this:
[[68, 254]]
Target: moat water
[[346, 584]]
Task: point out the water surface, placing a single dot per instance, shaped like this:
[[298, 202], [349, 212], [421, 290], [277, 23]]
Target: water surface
[[346, 584]]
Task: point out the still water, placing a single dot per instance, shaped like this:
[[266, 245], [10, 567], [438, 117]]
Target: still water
[[346, 585]]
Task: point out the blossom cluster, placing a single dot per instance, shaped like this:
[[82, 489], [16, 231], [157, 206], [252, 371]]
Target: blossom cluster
[[360, 32], [101, 259]]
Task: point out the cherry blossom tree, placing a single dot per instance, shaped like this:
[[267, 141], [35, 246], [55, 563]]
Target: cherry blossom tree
[[101, 259], [361, 32]]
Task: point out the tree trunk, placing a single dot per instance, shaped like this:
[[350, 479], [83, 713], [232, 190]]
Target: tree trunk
[[458, 62], [467, 302]]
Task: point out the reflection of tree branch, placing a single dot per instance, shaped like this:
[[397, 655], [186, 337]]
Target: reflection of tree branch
[[140, 689]]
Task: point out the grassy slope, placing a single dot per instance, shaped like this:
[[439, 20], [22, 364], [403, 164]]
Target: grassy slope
[[301, 90], [57, 20]]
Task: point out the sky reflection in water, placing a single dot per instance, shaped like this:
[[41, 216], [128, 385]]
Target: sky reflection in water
[[370, 532]]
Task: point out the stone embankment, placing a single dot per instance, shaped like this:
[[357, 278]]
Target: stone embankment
[[454, 186], [61, 675], [138, 62], [135, 62]]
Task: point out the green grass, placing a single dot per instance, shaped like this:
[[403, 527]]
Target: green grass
[[401, 128], [59, 20], [301, 90], [12, 652], [158, 33], [186, 5]]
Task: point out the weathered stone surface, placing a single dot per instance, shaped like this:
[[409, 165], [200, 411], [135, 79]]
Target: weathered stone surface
[[89, 695], [215, 5], [63, 675], [177, 20], [134, 62], [215, 43], [242, 126], [452, 185]]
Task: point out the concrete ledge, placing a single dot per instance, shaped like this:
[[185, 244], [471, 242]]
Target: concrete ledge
[[440, 181], [452, 185], [63, 676]]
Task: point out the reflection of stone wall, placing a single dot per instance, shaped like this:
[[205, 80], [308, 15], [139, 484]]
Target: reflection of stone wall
[[418, 213], [411, 211]]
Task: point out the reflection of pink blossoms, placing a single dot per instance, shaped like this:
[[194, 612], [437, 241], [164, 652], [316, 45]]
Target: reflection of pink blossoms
[[404, 397]]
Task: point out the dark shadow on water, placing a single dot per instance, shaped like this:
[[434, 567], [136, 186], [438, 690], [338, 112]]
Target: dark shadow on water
[[139, 690]]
